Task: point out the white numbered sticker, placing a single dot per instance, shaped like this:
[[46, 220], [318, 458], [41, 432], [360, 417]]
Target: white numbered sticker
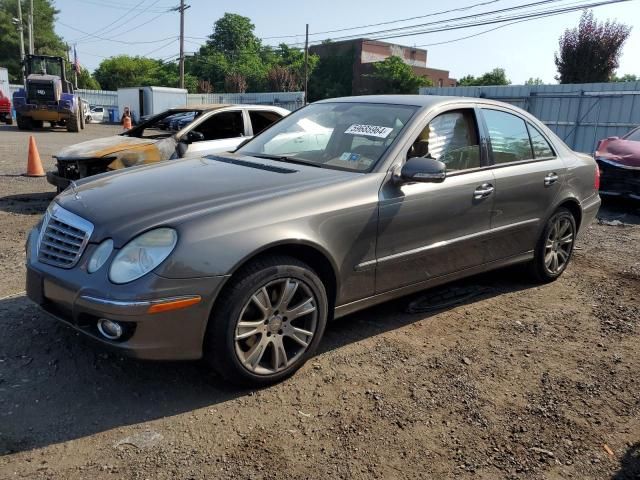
[[369, 130]]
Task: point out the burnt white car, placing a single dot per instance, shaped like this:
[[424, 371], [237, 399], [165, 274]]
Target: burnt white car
[[212, 129]]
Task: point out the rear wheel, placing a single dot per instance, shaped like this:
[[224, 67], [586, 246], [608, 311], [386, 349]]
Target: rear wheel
[[8, 120], [267, 322], [555, 246], [37, 123], [73, 122]]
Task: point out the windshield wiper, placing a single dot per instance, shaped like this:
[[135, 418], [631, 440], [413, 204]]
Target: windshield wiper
[[284, 158]]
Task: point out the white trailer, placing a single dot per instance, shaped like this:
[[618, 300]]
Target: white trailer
[[4, 82], [149, 100]]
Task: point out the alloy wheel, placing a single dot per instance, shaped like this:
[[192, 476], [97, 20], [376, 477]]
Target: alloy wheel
[[276, 326], [559, 245]]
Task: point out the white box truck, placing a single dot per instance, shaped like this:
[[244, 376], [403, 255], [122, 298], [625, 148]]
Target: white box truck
[[144, 101]]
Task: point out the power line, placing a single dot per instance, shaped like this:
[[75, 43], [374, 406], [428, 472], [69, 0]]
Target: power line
[[411, 30], [124, 42], [102, 30], [469, 7], [119, 6], [464, 17]]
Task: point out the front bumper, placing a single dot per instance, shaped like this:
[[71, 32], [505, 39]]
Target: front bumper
[[80, 299], [618, 180]]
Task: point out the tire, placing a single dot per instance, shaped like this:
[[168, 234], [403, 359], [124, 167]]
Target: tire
[[553, 252], [9, 120], [268, 326], [73, 122], [37, 123], [82, 122], [24, 123]]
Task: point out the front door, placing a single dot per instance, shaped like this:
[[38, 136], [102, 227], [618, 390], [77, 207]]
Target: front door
[[528, 177], [427, 230]]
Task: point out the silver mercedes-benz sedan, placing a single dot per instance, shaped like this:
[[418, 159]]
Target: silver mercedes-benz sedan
[[242, 258]]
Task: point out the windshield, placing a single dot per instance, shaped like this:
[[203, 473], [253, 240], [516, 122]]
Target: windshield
[[345, 136], [164, 124], [44, 66]]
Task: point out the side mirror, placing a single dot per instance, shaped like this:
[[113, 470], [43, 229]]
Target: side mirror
[[193, 136], [422, 169]]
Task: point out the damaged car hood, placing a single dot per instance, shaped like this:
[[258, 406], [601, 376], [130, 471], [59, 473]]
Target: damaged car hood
[[103, 147]]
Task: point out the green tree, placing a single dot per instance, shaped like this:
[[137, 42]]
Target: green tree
[[333, 76], [534, 81], [629, 77], [86, 80], [497, 76], [591, 52], [398, 77], [45, 39], [125, 71]]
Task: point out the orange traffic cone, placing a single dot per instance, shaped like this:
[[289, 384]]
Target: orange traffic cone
[[34, 164]]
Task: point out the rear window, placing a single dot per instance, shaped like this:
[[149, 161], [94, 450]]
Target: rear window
[[261, 119], [634, 136]]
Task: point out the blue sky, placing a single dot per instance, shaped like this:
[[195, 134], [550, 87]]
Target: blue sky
[[524, 49]]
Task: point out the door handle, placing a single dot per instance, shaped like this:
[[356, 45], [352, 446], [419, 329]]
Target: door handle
[[483, 191], [550, 179]]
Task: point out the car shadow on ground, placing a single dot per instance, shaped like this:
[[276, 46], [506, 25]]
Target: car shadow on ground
[[629, 464], [619, 210], [26, 203], [56, 385]]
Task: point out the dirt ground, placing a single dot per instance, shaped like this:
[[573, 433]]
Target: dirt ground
[[520, 381]]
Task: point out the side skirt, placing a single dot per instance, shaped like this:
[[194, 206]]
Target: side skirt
[[348, 308]]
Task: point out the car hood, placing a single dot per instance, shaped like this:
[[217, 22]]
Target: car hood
[[103, 147], [124, 203], [623, 152]]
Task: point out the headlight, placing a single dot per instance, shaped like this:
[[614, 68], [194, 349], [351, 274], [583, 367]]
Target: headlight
[[100, 256], [142, 254]]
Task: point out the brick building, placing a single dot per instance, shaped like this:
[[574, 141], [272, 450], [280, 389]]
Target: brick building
[[365, 53]]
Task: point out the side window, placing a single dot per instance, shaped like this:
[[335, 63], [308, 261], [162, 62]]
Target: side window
[[261, 119], [509, 137], [541, 148], [222, 125], [452, 138]]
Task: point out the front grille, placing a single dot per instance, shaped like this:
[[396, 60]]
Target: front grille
[[41, 92], [63, 237]]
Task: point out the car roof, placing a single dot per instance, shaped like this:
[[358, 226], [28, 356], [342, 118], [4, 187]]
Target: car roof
[[413, 100], [217, 106]]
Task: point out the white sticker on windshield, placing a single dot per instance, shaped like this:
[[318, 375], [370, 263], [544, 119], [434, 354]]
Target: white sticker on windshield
[[369, 130]]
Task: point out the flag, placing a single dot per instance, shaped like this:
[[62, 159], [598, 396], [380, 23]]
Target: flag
[[76, 63]]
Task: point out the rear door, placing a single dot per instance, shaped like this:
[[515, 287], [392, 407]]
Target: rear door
[[222, 132], [528, 176], [427, 230]]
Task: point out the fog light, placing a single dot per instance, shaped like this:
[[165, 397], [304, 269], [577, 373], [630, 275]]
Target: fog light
[[109, 329]]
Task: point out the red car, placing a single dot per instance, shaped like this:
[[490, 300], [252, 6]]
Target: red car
[[619, 162], [5, 109]]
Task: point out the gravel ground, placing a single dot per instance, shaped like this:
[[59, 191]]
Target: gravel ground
[[519, 381]]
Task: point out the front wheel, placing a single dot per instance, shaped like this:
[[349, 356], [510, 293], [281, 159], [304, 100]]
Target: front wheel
[[555, 246], [267, 322], [73, 122]]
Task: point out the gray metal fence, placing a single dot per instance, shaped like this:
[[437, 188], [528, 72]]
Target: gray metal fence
[[580, 114], [289, 100]]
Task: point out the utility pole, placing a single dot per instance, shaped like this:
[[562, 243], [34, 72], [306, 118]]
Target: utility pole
[[31, 45], [181, 9], [306, 66], [20, 28]]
